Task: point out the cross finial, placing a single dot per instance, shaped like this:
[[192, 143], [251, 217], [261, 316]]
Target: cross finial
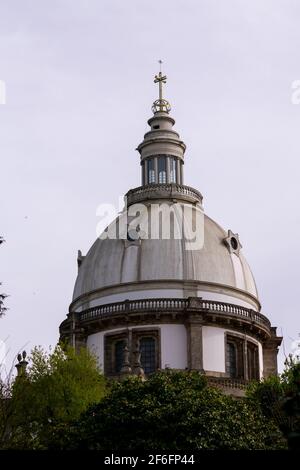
[[160, 79], [160, 105]]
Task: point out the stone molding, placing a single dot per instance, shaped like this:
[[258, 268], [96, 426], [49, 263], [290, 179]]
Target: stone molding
[[142, 312], [185, 285], [168, 191]]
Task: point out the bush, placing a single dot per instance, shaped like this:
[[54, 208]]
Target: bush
[[57, 388], [172, 411]]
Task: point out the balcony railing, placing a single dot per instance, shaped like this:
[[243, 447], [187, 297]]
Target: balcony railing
[[173, 305], [163, 191], [224, 382]]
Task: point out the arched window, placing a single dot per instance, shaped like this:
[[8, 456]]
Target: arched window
[[231, 360], [151, 171], [148, 354], [119, 354], [173, 170], [162, 170]]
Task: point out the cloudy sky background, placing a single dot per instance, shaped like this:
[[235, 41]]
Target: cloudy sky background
[[79, 80]]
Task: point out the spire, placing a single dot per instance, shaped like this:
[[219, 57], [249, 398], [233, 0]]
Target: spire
[[160, 105], [162, 150]]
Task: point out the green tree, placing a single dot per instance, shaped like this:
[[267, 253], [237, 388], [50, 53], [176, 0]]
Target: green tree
[[267, 395], [278, 398], [291, 403], [56, 389], [172, 411]]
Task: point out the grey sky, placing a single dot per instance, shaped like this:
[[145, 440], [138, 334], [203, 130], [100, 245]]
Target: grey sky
[[79, 81]]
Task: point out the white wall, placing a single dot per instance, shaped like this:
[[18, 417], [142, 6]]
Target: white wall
[[214, 349], [95, 344], [138, 294], [173, 344], [167, 293]]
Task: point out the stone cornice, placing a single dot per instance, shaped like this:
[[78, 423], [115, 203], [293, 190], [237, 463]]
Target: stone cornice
[[169, 191], [161, 140], [166, 284], [168, 310]]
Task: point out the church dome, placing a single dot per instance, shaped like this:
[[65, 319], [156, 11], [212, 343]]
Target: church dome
[[217, 264], [164, 286], [114, 262]]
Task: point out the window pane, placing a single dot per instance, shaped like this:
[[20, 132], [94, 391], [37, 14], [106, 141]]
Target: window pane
[[151, 171], [231, 360], [162, 170], [252, 362], [119, 352], [147, 348], [173, 170]]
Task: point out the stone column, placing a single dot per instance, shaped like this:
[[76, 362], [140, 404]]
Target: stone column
[[146, 172], [195, 342], [168, 169], [246, 372], [181, 173], [178, 176], [156, 169], [80, 341], [270, 351], [143, 173], [78, 334]]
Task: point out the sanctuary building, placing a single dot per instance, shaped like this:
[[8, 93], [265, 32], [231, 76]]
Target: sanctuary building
[[164, 286]]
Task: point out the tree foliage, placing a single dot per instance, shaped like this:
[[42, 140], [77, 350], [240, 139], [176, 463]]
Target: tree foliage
[[172, 411], [57, 388], [278, 398]]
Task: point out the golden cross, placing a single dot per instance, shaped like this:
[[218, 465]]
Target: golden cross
[[160, 79]]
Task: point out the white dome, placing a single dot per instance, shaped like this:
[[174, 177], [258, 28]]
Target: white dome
[[116, 262]]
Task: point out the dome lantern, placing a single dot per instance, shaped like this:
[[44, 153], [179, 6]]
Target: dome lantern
[[162, 151]]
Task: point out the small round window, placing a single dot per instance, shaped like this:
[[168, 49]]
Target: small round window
[[234, 243]]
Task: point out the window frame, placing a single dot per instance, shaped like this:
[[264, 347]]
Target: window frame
[[163, 171], [173, 169], [151, 177], [131, 337], [243, 344]]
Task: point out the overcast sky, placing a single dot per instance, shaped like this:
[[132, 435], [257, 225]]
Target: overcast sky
[[79, 89]]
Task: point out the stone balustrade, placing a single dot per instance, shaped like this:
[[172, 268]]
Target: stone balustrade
[[161, 305], [163, 191]]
